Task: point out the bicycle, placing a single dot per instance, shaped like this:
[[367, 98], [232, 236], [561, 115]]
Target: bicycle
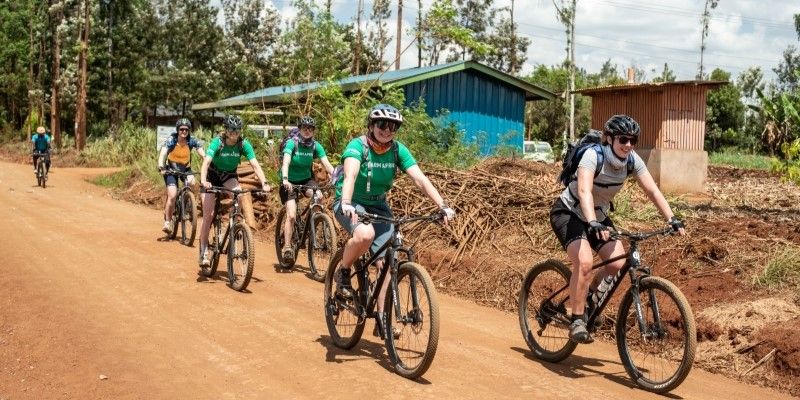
[[41, 168], [653, 313], [311, 225], [410, 298], [237, 232], [185, 212]]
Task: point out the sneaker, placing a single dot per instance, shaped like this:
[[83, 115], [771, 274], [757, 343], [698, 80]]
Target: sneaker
[[380, 322], [288, 255], [205, 260], [343, 286], [167, 228], [578, 332]]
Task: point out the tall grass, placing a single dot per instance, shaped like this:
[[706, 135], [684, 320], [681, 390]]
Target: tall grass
[[782, 268], [739, 159]]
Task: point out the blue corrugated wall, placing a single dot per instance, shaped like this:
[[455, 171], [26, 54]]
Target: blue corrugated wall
[[487, 110]]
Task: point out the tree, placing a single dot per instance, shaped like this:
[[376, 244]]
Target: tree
[[608, 75], [440, 30], [477, 16], [667, 75], [378, 34], [788, 71], [508, 50], [80, 113], [725, 115], [251, 32], [16, 58]]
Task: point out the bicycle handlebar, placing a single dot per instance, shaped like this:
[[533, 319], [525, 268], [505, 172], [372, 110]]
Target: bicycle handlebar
[[220, 189], [179, 173], [367, 218], [637, 236]]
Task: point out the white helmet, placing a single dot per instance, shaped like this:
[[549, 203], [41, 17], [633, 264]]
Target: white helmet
[[385, 112]]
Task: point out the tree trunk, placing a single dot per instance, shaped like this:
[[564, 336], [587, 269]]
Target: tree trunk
[[55, 108], [31, 105], [399, 37], [419, 33], [80, 114], [357, 52]]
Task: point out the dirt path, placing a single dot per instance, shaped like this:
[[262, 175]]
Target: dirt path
[[87, 289]]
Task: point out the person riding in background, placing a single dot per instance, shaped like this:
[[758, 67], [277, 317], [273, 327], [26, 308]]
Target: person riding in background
[[40, 143], [579, 216], [370, 163], [297, 161], [176, 155], [219, 169]]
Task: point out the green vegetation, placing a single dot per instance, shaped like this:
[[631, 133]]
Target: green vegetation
[[740, 159], [783, 268]]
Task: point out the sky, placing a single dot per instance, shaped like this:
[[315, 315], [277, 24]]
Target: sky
[[647, 34]]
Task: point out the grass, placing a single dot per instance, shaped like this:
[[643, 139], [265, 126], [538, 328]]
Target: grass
[[739, 159], [114, 180], [783, 268]]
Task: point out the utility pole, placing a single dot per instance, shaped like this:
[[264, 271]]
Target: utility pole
[[710, 4], [573, 11], [357, 61], [419, 33], [399, 34], [513, 66]]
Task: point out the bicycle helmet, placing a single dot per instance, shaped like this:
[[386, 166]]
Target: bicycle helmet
[[385, 112], [622, 125], [306, 121], [183, 122], [232, 123]]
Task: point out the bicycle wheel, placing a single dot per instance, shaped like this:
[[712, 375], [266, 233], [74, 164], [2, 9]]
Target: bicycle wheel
[[41, 174], [241, 256], [657, 355], [279, 240], [215, 248], [544, 323], [322, 244], [175, 218], [342, 315], [412, 352], [188, 217]]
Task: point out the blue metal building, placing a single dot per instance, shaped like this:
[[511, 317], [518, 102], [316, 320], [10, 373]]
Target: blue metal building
[[486, 104]]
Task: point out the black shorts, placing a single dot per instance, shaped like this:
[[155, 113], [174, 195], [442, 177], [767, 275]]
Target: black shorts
[[218, 178], [172, 180], [569, 228], [286, 196]]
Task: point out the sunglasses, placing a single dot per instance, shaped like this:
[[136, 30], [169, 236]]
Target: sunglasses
[[626, 139], [236, 131], [183, 130], [309, 128], [390, 125]]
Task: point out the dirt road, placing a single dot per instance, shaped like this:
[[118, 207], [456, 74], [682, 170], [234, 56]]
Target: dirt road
[[87, 289]]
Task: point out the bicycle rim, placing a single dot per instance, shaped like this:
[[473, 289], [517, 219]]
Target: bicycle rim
[[321, 245], [414, 349], [341, 315], [544, 322], [241, 257], [659, 355], [188, 218]]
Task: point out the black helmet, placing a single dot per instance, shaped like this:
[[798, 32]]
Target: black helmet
[[622, 125], [306, 121], [385, 112], [183, 122], [232, 123]]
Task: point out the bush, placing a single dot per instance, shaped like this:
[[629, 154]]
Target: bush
[[783, 268]]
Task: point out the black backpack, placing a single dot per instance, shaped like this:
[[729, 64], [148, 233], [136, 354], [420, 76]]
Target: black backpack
[[575, 151]]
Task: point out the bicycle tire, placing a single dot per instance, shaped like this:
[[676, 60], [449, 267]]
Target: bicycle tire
[[551, 341], [279, 240], [41, 174], [345, 326], [175, 218], [319, 253], [189, 217], [243, 251], [412, 325], [211, 269], [676, 317]]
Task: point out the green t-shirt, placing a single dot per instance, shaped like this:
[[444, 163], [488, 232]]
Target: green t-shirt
[[383, 169], [300, 165], [226, 158]]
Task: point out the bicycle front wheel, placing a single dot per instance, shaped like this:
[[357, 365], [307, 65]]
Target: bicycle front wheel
[[343, 315], [656, 344], [417, 322], [322, 244], [543, 316], [215, 247], [40, 174], [280, 242], [188, 217], [241, 256]]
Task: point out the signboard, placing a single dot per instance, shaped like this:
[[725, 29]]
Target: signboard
[[162, 133]]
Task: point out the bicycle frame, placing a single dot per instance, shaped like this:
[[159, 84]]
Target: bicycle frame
[[302, 219], [234, 213]]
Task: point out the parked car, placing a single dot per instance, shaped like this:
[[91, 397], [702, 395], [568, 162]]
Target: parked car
[[538, 151]]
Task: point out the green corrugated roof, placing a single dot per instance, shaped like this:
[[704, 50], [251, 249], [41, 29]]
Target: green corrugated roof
[[284, 94]]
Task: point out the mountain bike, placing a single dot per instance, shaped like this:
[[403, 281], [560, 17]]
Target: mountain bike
[[237, 242], [313, 229], [185, 212], [411, 303], [655, 328], [41, 168]]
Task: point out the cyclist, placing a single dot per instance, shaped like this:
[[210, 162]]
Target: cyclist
[[219, 169], [176, 155], [299, 152], [40, 143], [363, 186], [579, 216]]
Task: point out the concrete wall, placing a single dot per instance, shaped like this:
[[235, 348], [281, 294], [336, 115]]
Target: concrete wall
[[677, 171]]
